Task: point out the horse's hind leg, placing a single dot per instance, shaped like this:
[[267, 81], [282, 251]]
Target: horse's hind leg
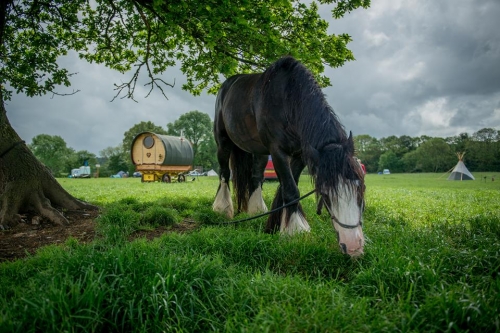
[[223, 203], [274, 219], [256, 203]]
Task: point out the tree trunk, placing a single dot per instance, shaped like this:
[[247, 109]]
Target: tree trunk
[[26, 185]]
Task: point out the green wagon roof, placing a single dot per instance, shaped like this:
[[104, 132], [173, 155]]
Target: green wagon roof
[[179, 150]]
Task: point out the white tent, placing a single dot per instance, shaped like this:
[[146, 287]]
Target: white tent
[[460, 171], [212, 173]]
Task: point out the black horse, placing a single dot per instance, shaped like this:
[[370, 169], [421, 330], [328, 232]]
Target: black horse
[[283, 112]]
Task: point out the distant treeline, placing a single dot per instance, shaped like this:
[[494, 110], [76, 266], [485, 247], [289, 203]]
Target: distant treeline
[[398, 154], [430, 154]]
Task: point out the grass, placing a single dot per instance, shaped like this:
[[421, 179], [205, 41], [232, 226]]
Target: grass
[[431, 263]]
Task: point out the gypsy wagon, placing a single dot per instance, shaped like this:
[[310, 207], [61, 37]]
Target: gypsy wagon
[[161, 157]]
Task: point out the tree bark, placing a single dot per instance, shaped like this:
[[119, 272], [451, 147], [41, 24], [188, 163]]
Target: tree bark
[[26, 185]]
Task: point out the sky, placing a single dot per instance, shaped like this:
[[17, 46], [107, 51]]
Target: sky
[[422, 67]]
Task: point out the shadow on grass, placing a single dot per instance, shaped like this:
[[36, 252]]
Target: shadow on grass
[[313, 255]]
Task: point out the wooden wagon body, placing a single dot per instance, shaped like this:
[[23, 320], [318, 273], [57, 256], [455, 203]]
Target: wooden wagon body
[[162, 157]]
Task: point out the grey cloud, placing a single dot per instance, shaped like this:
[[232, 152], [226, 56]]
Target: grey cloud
[[412, 56]]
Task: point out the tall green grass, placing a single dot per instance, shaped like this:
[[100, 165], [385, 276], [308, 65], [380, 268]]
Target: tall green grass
[[431, 263]]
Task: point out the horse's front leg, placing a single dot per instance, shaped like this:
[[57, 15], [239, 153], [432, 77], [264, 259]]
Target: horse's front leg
[[289, 220], [256, 203]]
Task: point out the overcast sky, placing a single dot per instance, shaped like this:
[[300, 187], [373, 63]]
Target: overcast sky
[[422, 68]]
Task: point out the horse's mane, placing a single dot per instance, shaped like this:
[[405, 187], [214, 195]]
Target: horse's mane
[[313, 116], [323, 138]]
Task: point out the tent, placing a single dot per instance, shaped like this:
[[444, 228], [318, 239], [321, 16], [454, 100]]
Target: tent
[[460, 171], [212, 173]]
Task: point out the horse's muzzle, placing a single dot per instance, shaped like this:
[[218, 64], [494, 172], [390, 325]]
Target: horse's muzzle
[[352, 253]]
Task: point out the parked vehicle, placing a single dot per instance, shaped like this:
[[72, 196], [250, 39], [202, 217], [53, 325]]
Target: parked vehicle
[[120, 174], [82, 172], [269, 172]]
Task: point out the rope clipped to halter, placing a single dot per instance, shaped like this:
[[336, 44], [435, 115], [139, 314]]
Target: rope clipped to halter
[[269, 212], [10, 148]]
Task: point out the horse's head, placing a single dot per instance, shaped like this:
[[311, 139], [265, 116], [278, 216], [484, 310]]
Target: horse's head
[[340, 187], [345, 206]]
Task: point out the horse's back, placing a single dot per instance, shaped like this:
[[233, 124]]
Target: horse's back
[[237, 89], [235, 112], [265, 112]]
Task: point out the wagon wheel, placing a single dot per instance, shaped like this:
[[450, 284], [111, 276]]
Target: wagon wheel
[[181, 178], [166, 178]]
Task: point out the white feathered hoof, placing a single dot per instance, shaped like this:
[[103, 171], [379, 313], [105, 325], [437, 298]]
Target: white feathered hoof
[[296, 224], [256, 204], [223, 203]]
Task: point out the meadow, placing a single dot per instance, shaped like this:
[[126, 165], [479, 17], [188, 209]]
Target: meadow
[[431, 264]]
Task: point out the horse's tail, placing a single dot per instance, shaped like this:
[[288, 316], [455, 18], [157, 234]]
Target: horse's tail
[[241, 167]]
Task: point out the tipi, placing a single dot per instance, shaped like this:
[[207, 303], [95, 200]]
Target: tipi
[[212, 173], [460, 171]]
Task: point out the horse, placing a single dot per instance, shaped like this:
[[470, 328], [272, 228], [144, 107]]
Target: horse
[[282, 112]]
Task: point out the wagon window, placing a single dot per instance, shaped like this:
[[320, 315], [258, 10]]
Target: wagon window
[[148, 142]]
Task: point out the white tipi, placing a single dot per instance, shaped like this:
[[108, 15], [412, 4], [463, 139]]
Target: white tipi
[[460, 171]]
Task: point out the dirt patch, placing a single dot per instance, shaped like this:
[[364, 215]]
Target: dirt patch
[[26, 238]]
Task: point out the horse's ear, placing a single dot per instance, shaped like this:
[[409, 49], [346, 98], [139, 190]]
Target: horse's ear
[[350, 143]]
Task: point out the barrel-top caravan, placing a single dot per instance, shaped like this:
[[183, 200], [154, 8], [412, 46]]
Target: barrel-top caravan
[[162, 157]]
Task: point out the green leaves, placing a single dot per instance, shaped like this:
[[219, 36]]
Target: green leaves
[[197, 128], [346, 6], [53, 152], [208, 40], [143, 126], [35, 36]]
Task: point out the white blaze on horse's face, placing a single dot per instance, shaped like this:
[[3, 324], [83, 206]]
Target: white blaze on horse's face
[[346, 212]]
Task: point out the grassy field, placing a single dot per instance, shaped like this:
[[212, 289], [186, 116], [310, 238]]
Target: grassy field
[[431, 264]]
